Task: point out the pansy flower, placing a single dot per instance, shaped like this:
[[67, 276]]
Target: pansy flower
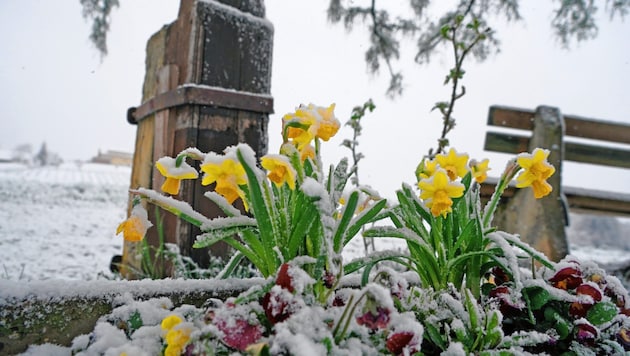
[[581, 307], [567, 278], [136, 226], [438, 191], [176, 336], [536, 172], [174, 174]]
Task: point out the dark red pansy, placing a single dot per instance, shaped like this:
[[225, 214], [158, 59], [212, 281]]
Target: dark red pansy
[[506, 304], [278, 306], [399, 341], [500, 277], [567, 278], [238, 333], [579, 309], [329, 280], [375, 320], [284, 279], [586, 333]]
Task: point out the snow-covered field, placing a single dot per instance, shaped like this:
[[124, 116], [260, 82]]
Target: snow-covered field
[[60, 222]]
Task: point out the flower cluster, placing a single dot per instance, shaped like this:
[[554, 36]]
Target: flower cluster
[[308, 124], [439, 182], [440, 177], [577, 305], [468, 294]]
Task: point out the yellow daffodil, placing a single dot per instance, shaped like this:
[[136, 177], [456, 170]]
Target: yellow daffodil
[[426, 168], [479, 170], [176, 336], [307, 151], [228, 174], [174, 174], [308, 121], [455, 164], [536, 172], [313, 121], [328, 125], [136, 226], [280, 170], [438, 191]]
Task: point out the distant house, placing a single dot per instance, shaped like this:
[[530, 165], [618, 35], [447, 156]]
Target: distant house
[[5, 156], [113, 157]]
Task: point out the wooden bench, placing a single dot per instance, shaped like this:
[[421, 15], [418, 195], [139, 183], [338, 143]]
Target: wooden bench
[[542, 222]]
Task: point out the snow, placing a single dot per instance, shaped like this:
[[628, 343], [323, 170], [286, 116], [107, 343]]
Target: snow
[[60, 222]]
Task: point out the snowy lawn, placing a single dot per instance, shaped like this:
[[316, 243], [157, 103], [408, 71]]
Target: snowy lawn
[[60, 222]]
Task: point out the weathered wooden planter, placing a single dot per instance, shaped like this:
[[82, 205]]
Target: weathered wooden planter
[[207, 85], [57, 311]]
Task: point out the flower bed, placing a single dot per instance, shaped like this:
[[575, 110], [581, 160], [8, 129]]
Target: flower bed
[[474, 290]]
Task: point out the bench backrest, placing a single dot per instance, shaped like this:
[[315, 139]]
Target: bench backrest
[[574, 127], [598, 150]]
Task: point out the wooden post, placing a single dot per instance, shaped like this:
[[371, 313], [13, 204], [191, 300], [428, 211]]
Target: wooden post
[[207, 85], [541, 222]]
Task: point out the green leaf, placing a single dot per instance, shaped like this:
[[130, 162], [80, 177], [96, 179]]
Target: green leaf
[[261, 211], [561, 325], [211, 237], [346, 217], [365, 218], [601, 313], [302, 224], [134, 321], [538, 297], [231, 266], [434, 336], [357, 264]]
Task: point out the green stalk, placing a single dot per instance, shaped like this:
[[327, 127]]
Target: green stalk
[[510, 171]]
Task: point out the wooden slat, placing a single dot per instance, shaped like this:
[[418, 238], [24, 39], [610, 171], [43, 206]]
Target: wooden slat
[[597, 201], [575, 126], [604, 156], [514, 118], [506, 143], [573, 151], [579, 199], [596, 129]]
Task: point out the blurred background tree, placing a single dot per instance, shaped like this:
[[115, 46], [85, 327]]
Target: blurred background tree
[[572, 21]]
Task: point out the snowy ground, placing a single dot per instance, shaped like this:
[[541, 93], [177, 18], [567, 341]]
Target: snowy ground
[[60, 222]]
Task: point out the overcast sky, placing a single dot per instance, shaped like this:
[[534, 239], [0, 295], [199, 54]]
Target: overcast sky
[[54, 88]]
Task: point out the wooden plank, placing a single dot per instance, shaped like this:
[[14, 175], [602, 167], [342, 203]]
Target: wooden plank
[[598, 201], [600, 155], [596, 129], [506, 143], [573, 151], [575, 126], [591, 201], [504, 116]]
